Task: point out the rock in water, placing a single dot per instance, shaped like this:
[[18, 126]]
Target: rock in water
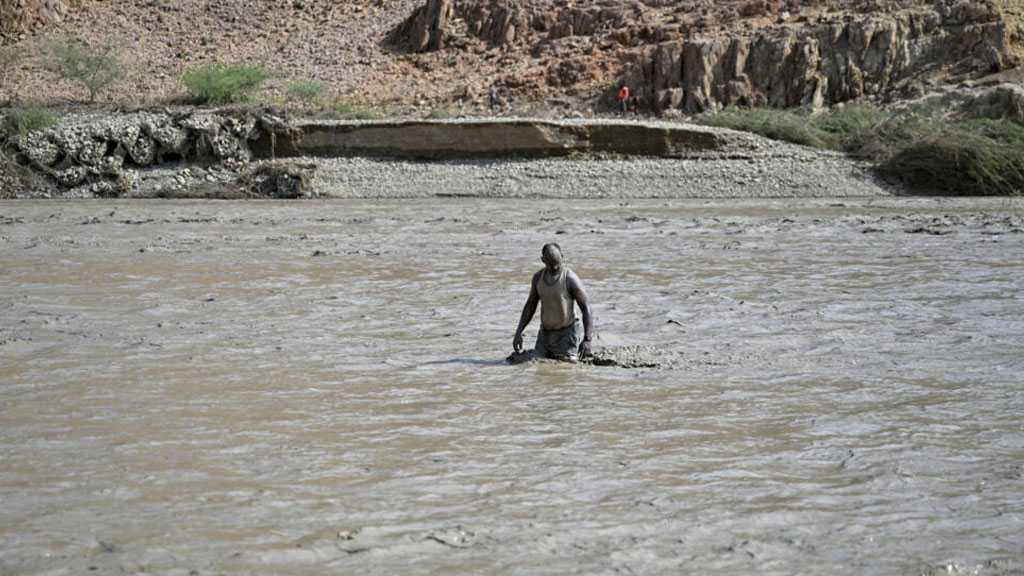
[[281, 180]]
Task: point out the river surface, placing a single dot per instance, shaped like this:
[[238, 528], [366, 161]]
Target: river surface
[[318, 387]]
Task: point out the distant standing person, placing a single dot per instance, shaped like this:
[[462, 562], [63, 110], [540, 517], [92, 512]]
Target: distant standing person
[[558, 290], [492, 97], [623, 99]]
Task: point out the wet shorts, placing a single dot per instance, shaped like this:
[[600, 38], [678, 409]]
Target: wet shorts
[[561, 344]]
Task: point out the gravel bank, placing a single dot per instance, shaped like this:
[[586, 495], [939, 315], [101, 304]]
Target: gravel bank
[[796, 173]]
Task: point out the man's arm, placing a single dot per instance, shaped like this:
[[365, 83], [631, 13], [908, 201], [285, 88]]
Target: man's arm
[[528, 311], [576, 290]]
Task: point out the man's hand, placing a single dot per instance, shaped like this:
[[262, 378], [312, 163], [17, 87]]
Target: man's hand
[[585, 349], [517, 343]]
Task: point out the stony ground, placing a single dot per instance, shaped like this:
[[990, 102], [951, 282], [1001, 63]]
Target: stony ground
[[796, 173]]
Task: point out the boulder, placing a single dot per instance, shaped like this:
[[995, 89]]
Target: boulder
[[998, 102]]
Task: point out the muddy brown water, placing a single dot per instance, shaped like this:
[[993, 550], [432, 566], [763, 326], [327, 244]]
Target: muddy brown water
[[309, 388]]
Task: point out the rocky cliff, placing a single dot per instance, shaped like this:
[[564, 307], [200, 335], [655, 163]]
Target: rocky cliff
[[827, 62], [694, 56]]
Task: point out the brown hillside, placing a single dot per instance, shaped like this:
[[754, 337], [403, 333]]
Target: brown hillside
[[382, 52]]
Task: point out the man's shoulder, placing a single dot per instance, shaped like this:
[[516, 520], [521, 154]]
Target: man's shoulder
[[572, 281]]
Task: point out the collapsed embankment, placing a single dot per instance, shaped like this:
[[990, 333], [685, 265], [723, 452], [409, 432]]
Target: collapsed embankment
[[493, 138]]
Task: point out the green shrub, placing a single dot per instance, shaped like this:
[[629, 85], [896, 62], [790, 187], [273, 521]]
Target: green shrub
[[95, 68], [307, 92], [27, 119], [851, 127], [223, 84], [969, 158]]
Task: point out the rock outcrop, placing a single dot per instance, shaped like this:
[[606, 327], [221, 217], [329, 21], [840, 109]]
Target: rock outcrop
[[18, 16], [995, 101], [426, 29], [441, 23], [825, 63]]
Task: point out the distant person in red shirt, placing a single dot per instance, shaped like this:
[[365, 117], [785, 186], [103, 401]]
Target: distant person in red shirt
[[623, 99]]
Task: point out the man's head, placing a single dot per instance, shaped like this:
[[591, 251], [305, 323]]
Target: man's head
[[551, 255]]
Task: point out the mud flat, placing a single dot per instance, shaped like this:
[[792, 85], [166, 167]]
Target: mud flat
[[320, 386]]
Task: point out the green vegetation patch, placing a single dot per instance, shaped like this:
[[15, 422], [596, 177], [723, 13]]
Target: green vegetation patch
[[785, 125], [26, 119], [929, 154], [967, 157], [222, 83]]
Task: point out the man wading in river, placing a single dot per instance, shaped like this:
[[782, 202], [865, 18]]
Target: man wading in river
[[557, 289]]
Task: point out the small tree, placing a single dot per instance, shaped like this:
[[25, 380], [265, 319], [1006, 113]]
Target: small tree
[[95, 68]]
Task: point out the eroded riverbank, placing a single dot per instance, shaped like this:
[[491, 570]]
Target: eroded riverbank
[[319, 386], [236, 154]]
